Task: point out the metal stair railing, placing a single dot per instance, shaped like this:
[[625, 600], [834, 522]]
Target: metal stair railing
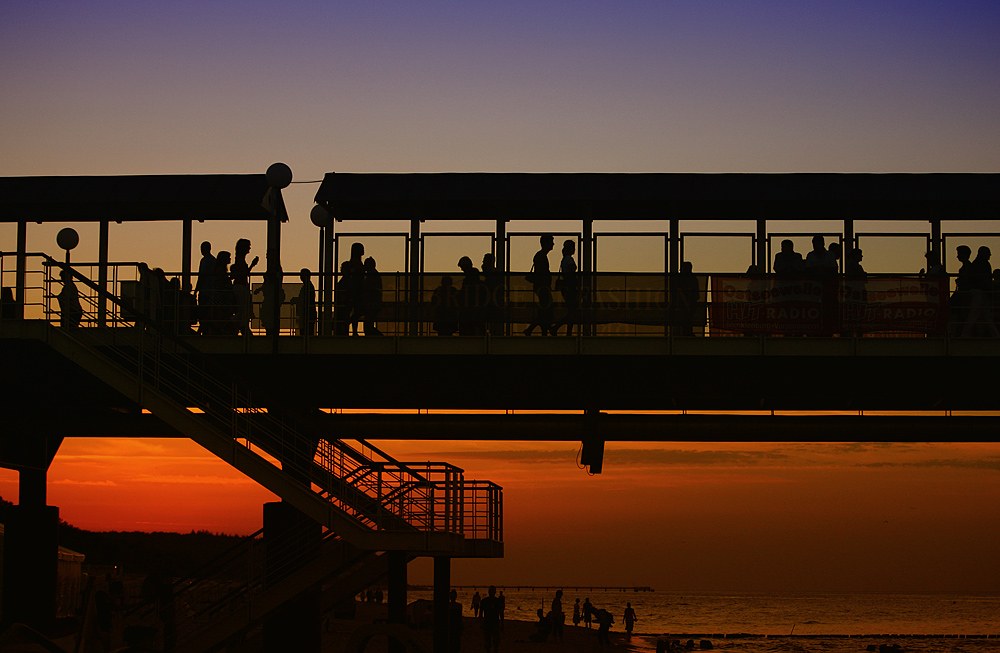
[[385, 495], [230, 594]]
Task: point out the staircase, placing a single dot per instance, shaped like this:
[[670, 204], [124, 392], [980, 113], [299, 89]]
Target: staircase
[[367, 501], [356, 490]]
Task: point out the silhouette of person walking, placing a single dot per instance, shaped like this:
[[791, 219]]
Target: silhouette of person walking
[[445, 315], [494, 283], [540, 277], [979, 321], [629, 618], [305, 304], [476, 603], [469, 299], [70, 311], [558, 617], [221, 323], [788, 262], [240, 273], [489, 611], [568, 284], [961, 299], [372, 288], [203, 287], [455, 623], [685, 293], [576, 613], [354, 284], [588, 613]]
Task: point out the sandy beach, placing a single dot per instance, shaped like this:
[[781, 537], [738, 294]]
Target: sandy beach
[[514, 638]]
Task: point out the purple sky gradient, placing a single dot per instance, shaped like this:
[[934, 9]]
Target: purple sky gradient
[[230, 87]]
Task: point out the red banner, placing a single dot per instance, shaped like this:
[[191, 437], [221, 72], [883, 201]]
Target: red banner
[[765, 305]]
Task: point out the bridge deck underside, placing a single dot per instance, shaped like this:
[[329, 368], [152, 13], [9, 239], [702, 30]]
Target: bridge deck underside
[[809, 376]]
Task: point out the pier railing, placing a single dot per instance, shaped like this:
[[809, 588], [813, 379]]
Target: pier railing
[[603, 304]]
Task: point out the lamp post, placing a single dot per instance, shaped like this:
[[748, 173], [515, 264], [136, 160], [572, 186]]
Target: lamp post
[[322, 219], [67, 239]]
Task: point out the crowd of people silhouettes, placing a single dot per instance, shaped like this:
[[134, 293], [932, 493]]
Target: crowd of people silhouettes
[[222, 301]]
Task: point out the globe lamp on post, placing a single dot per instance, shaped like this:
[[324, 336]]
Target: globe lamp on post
[[67, 239]]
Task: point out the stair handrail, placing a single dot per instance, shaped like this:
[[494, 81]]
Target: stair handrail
[[396, 470]]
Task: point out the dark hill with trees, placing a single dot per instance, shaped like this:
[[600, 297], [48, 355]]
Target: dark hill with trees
[[176, 554]]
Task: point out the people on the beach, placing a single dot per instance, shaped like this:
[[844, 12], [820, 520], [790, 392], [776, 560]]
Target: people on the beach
[[542, 628], [476, 602], [604, 620], [588, 613], [489, 611], [558, 617], [629, 618], [576, 613], [455, 623]]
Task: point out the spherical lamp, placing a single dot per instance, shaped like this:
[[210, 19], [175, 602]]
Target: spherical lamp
[[278, 175], [320, 216], [67, 239]]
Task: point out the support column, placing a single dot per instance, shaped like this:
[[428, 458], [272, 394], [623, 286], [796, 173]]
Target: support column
[[442, 603], [936, 244], [587, 267], [102, 274], [291, 540], [397, 595], [330, 274], [762, 261], [848, 238], [31, 535], [414, 283], [21, 275], [186, 256], [674, 256], [273, 257]]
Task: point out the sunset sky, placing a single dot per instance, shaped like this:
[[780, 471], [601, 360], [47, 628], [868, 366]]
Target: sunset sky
[[231, 87]]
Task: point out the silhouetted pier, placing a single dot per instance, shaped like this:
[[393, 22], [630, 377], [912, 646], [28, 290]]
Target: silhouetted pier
[[668, 355]]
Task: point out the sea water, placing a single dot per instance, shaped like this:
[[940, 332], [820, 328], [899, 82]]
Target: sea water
[[755, 622]]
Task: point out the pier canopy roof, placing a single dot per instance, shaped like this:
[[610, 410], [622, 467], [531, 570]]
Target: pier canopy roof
[[135, 198], [659, 196]]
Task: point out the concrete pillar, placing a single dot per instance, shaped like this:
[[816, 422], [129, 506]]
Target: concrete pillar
[[414, 282], [674, 255], [442, 604], [186, 256], [761, 261], [30, 565], [397, 595], [291, 540]]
